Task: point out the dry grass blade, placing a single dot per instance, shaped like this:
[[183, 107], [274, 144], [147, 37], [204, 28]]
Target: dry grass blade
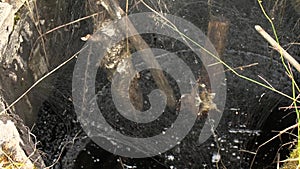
[[278, 135]]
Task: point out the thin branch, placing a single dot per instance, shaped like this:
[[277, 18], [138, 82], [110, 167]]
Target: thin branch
[[279, 134], [277, 47]]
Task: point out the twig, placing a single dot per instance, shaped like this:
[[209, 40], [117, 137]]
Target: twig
[[265, 81], [63, 149], [277, 47], [279, 134]]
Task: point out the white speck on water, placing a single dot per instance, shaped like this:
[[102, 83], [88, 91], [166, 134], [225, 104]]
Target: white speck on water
[[223, 141], [216, 157], [235, 147], [212, 145], [170, 157], [242, 126]]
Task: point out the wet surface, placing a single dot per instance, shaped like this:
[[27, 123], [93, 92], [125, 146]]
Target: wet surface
[[250, 115]]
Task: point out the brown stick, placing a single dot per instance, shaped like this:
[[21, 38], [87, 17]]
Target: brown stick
[[138, 42], [217, 33]]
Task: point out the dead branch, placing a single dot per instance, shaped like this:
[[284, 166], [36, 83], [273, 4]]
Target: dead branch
[[277, 47], [138, 42]]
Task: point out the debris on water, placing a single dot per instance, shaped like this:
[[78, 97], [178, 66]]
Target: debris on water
[[245, 131], [170, 157], [216, 157], [128, 166]]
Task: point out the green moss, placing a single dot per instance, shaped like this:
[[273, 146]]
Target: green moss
[[292, 163], [16, 18]]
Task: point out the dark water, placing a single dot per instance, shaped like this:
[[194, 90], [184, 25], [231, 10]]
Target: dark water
[[251, 112]]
